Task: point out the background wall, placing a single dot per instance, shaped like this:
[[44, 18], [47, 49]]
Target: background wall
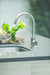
[[9, 9]]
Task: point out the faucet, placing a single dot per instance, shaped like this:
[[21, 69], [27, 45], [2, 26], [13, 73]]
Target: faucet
[[33, 38]]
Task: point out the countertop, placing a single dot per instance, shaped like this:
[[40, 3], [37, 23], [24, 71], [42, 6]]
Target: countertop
[[40, 52]]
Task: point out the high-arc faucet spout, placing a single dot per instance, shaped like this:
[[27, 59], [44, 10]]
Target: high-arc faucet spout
[[33, 26]]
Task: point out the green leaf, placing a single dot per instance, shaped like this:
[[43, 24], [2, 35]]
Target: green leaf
[[8, 32], [21, 25], [6, 27], [16, 29], [13, 30]]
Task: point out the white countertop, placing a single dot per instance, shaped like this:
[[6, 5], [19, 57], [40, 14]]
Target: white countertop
[[42, 49]]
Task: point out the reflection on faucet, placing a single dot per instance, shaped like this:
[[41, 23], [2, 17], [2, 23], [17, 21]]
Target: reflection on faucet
[[33, 41]]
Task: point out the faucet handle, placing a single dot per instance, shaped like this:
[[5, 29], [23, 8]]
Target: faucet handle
[[34, 43]]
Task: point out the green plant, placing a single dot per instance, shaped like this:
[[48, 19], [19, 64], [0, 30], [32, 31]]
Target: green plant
[[12, 31]]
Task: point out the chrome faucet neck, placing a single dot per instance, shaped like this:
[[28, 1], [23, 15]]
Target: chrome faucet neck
[[33, 24]]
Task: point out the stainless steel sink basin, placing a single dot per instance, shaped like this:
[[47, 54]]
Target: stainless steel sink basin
[[14, 49]]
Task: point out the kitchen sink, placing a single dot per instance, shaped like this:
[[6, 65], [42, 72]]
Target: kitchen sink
[[14, 49]]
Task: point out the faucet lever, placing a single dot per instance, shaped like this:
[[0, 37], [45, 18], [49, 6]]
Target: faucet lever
[[34, 43]]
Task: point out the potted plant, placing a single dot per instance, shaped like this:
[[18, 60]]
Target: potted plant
[[11, 31]]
